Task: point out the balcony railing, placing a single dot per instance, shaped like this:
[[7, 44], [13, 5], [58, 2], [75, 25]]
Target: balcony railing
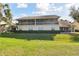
[[37, 23]]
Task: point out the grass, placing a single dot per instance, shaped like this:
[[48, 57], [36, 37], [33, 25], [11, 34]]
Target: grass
[[14, 44]]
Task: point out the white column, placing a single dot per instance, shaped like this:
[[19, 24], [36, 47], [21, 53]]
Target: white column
[[35, 25], [35, 22]]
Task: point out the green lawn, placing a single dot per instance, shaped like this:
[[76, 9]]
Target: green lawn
[[14, 44]]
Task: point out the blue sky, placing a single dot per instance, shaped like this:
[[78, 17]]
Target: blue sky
[[31, 9]]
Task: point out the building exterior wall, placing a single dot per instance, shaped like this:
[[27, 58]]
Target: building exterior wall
[[38, 23], [38, 27]]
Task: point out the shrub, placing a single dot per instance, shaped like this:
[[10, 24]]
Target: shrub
[[37, 31], [62, 37]]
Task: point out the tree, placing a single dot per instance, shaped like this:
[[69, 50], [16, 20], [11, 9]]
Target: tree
[[74, 13], [7, 13], [8, 16], [1, 7], [1, 16]]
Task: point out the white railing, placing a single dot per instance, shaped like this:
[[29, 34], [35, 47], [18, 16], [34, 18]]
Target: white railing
[[37, 23]]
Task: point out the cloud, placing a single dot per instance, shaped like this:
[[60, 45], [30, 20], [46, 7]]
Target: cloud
[[39, 13], [22, 5], [42, 6], [21, 15], [67, 7], [47, 8], [72, 4]]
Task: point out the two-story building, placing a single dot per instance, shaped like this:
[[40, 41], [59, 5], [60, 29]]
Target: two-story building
[[47, 22]]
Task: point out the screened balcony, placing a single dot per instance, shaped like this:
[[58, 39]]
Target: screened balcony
[[38, 22]]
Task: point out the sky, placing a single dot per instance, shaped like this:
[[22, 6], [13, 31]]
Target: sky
[[33, 9]]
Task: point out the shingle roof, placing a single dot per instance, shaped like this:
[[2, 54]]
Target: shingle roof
[[64, 23], [38, 17]]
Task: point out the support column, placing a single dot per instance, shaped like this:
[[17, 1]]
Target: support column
[[35, 22], [35, 25]]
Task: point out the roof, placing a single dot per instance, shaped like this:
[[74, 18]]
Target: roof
[[76, 25], [64, 23], [38, 17]]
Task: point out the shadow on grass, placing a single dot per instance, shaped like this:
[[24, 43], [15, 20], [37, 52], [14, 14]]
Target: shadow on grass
[[29, 36], [75, 37]]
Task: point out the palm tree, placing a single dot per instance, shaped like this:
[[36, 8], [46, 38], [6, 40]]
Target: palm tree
[[1, 16], [7, 13], [8, 16], [1, 7]]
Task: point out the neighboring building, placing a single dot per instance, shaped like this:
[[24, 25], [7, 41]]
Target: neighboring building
[[65, 26], [48, 22], [76, 25]]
